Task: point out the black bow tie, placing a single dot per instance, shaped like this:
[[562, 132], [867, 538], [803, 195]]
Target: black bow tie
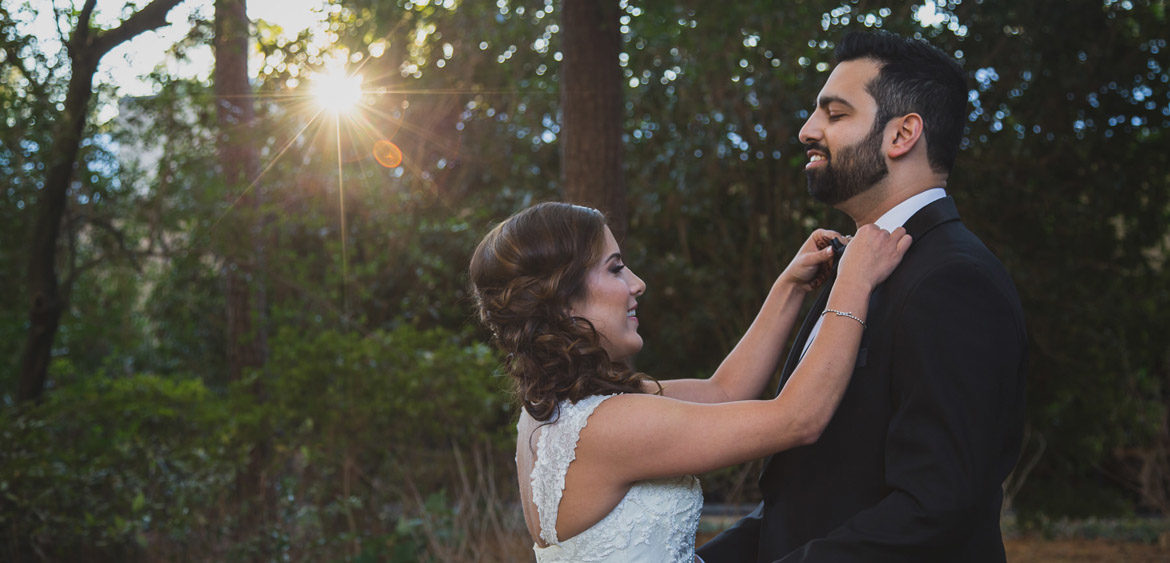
[[838, 250]]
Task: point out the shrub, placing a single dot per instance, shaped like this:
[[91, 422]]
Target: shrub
[[107, 465]]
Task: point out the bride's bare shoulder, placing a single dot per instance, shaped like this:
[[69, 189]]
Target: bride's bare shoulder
[[618, 418]]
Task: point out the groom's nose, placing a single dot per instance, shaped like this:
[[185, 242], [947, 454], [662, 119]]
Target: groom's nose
[[810, 132]]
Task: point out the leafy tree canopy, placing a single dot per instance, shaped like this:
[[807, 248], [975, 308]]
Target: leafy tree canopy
[[1063, 173]]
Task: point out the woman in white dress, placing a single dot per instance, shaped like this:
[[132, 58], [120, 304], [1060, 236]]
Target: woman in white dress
[[606, 455]]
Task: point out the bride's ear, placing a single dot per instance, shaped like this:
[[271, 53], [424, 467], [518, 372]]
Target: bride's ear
[[572, 305]]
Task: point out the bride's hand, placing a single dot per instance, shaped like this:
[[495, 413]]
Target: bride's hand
[[813, 262], [873, 254]]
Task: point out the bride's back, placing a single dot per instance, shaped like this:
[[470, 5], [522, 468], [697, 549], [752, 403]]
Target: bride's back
[[587, 496], [576, 510]]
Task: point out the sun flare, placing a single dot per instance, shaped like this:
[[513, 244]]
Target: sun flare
[[337, 91]]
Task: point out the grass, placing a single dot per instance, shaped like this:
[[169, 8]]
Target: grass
[[1138, 540]]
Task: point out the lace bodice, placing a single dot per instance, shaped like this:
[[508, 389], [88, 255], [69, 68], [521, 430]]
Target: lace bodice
[[654, 522]]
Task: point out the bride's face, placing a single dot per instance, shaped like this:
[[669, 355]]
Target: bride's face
[[611, 301]]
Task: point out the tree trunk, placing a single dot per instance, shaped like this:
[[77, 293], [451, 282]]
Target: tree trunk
[[86, 47], [239, 163], [591, 109], [242, 251]]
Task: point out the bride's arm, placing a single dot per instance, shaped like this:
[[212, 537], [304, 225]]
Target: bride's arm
[[751, 364], [647, 436]]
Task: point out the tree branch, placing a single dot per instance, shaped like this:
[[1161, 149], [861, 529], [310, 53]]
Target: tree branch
[[153, 16], [81, 33], [118, 236]]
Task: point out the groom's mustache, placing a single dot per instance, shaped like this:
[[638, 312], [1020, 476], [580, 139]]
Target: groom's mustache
[[818, 147]]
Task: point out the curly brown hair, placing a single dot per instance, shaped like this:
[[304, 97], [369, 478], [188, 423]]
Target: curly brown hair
[[524, 274]]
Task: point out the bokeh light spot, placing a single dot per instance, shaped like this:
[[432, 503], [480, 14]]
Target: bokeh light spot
[[387, 153]]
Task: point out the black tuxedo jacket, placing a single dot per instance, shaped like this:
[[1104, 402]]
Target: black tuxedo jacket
[[910, 467]]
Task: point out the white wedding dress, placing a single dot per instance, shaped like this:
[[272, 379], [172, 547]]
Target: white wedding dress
[[654, 522]]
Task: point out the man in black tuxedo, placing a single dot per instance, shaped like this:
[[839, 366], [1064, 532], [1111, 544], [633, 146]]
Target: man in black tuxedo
[[912, 465]]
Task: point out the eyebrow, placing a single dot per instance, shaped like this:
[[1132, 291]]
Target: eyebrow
[[825, 101], [617, 255]]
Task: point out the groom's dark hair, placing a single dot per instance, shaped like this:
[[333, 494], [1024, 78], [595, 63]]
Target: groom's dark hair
[[915, 77]]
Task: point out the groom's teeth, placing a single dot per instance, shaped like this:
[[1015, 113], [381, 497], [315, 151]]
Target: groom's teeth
[[816, 158]]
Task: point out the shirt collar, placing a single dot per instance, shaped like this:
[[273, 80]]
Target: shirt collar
[[900, 213]]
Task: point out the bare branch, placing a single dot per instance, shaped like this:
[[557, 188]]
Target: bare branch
[[153, 16], [119, 237], [75, 270], [81, 33], [58, 15]]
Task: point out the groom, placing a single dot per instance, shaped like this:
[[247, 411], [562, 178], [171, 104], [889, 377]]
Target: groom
[[911, 466]]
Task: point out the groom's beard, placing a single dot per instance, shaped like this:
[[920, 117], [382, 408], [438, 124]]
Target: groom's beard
[[853, 170]]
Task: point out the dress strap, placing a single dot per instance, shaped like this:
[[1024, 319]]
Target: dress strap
[[556, 448]]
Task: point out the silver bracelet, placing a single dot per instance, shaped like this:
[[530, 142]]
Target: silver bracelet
[[844, 314]]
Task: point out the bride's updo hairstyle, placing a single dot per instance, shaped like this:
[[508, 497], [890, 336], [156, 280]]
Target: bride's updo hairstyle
[[524, 275]]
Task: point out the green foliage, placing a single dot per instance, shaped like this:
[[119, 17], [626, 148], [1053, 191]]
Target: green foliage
[[380, 395], [377, 376], [361, 423], [111, 464], [1065, 177], [718, 205]]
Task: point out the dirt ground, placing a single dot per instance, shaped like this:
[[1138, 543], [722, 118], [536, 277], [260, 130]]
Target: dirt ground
[[1040, 550]]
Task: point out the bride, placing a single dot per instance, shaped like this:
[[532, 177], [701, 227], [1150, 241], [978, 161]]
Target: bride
[[606, 455]]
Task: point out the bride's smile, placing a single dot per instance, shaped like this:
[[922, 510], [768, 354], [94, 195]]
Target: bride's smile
[[610, 302]]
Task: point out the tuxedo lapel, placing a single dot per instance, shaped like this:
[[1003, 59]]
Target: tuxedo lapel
[[934, 214], [795, 352], [810, 321]]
